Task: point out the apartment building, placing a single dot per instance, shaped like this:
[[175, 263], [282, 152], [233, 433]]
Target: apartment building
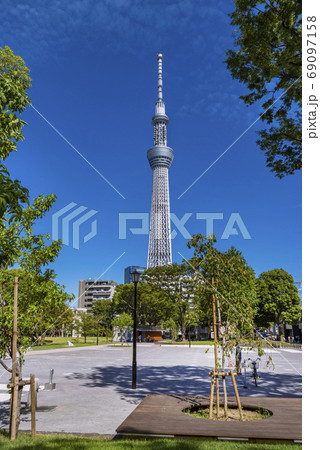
[[91, 291]]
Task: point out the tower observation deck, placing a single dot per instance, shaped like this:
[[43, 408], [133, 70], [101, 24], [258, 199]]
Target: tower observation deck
[[160, 157]]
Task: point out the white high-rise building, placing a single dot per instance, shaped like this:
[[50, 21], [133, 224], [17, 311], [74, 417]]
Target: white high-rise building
[[91, 291], [160, 157]]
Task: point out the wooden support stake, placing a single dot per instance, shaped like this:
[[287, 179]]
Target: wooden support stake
[[225, 396], [215, 348], [211, 396], [14, 378], [11, 408], [20, 383], [223, 374], [236, 392], [13, 415], [214, 330], [217, 397], [33, 405], [15, 327]]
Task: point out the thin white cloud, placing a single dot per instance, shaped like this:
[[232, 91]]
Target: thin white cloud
[[48, 30], [40, 24]]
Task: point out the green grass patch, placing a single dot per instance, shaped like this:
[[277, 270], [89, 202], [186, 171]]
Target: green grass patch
[[62, 342], [68, 442], [204, 342], [267, 344]]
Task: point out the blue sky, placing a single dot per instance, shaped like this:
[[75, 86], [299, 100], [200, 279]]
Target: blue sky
[[94, 69]]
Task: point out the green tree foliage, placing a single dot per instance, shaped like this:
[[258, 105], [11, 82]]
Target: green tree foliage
[[234, 281], [192, 320], [64, 322], [35, 317], [279, 300], [233, 287], [20, 245], [268, 61], [14, 84], [172, 326], [103, 311], [85, 324], [41, 300], [153, 306], [31, 253], [123, 323], [175, 286]]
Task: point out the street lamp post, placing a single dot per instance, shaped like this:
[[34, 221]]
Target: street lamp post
[[135, 278]]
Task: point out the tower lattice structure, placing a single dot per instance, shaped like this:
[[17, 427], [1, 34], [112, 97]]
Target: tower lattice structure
[[160, 157]]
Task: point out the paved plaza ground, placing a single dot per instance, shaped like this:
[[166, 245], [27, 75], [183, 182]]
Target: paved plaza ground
[[93, 384]]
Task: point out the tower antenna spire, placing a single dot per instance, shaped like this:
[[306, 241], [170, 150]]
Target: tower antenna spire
[[160, 56], [160, 157]]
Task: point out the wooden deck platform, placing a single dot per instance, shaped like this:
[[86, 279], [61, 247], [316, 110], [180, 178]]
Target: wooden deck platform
[[162, 415]]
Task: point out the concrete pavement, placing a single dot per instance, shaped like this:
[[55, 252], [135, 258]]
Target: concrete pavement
[[94, 394]]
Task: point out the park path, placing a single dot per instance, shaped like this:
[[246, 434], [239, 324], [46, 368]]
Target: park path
[[94, 395]]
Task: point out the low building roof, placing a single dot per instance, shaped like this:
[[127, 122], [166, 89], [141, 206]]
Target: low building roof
[[149, 328]]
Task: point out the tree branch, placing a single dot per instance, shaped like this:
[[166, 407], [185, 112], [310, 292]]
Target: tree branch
[[5, 366]]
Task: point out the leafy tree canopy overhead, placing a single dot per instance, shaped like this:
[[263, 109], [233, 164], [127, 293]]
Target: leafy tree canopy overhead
[[268, 60], [12, 195], [14, 84], [20, 245]]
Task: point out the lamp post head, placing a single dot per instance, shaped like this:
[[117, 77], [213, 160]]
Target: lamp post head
[[135, 276]]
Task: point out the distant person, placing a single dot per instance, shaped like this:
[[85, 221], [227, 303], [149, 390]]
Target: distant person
[[238, 359], [139, 338]]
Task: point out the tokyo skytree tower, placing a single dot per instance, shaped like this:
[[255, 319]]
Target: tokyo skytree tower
[[160, 157]]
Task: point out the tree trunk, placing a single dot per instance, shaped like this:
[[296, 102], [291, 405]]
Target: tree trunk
[[280, 327], [19, 396], [223, 352], [281, 330], [183, 331], [219, 317], [19, 405]]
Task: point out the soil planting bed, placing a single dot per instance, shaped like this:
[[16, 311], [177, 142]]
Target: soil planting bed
[[248, 414]]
